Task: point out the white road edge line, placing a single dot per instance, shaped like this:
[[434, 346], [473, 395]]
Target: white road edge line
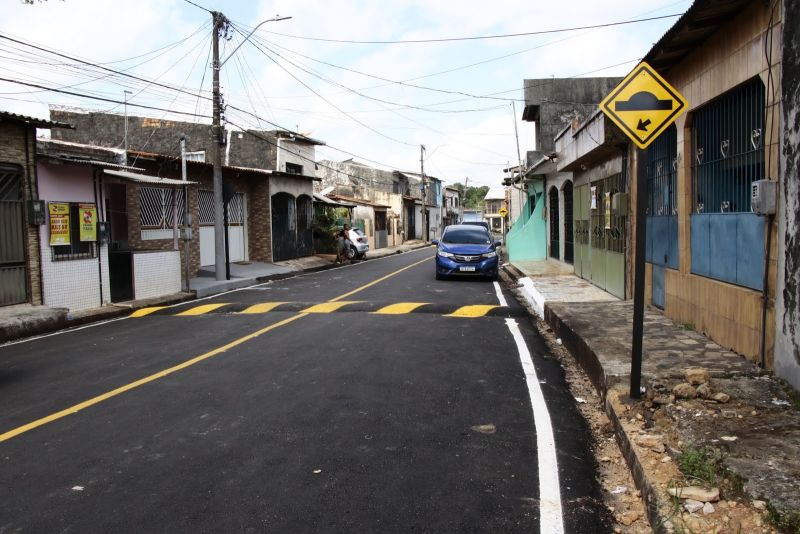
[[500, 298], [550, 512]]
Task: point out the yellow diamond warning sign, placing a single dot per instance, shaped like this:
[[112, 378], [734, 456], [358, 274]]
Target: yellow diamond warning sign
[[643, 105]]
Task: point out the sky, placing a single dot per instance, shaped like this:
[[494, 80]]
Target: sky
[[374, 102]]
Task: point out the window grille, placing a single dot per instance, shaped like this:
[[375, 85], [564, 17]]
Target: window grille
[[77, 249], [205, 200], [728, 151], [156, 210], [235, 209], [661, 174]]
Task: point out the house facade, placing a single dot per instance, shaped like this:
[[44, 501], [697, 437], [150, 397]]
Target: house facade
[[452, 210], [21, 211], [542, 195], [714, 261]]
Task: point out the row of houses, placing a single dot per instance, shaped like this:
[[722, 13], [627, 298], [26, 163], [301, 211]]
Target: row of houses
[[712, 263], [390, 203], [87, 222]]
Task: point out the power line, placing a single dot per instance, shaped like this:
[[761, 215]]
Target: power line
[[354, 119], [197, 5], [389, 81], [477, 37], [90, 97]]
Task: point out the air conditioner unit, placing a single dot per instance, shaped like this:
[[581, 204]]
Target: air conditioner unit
[[763, 197]]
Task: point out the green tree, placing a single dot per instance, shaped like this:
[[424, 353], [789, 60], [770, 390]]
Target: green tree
[[473, 197]]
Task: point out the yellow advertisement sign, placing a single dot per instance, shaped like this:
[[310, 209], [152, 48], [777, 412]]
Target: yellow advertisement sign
[[59, 223], [88, 221], [643, 105]]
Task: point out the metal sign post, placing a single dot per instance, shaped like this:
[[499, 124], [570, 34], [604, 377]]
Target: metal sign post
[[643, 105]]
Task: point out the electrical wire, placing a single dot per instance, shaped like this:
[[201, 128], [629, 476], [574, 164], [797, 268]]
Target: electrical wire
[[478, 37]]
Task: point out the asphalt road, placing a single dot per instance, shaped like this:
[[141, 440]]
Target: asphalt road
[[332, 407]]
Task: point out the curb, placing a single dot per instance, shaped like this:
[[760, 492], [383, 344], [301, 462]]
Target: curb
[[590, 363]]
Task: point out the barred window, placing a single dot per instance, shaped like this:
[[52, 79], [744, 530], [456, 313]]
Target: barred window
[[205, 199], [728, 150], [236, 209], [156, 208], [662, 172]]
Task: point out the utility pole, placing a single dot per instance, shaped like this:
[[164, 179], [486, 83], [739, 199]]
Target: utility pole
[[125, 142], [218, 26], [425, 235], [187, 222]]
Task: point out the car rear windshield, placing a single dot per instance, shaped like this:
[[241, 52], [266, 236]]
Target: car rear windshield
[[466, 236]]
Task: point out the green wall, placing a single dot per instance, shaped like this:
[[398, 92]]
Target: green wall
[[527, 239]]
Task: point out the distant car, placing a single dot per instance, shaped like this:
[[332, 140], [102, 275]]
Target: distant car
[[484, 224], [359, 243], [466, 250]]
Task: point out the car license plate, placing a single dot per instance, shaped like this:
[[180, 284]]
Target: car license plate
[[470, 269]]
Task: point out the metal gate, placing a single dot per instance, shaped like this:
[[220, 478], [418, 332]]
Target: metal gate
[[381, 240], [305, 232], [568, 244], [284, 227], [553, 208], [411, 230], [13, 286]]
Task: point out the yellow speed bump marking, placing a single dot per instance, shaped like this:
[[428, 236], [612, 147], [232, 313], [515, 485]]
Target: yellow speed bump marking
[[264, 307], [203, 309], [188, 363], [328, 307], [146, 311], [400, 308], [477, 310]]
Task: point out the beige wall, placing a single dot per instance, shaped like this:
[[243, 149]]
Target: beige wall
[[729, 314]]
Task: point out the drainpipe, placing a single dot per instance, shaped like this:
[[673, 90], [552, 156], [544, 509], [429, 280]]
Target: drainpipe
[[765, 296], [95, 184], [33, 195]]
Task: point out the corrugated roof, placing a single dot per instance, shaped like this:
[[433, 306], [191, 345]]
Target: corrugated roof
[[691, 30], [33, 121], [146, 179]]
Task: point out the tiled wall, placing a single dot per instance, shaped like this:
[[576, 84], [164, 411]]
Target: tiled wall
[[156, 274], [73, 284]]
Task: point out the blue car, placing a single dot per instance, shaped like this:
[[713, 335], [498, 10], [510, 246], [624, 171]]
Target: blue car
[[466, 250]]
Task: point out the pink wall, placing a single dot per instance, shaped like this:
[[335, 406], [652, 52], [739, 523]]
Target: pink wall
[[66, 183]]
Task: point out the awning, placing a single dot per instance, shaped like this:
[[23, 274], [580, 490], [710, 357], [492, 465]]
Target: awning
[[325, 200], [145, 179]]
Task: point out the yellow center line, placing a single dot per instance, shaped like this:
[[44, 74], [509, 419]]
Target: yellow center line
[[188, 363], [381, 279]]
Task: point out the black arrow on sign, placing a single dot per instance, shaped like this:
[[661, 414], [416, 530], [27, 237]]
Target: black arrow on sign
[[643, 125]]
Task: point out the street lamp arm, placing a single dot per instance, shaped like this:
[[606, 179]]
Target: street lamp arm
[[249, 35]]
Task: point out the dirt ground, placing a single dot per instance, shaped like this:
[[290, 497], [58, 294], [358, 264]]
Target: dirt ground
[[733, 514]]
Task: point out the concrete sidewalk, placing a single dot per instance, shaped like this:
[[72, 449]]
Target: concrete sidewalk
[[27, 320], [702, 401]]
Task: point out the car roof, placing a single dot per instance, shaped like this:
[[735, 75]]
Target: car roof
[[463, 226]]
